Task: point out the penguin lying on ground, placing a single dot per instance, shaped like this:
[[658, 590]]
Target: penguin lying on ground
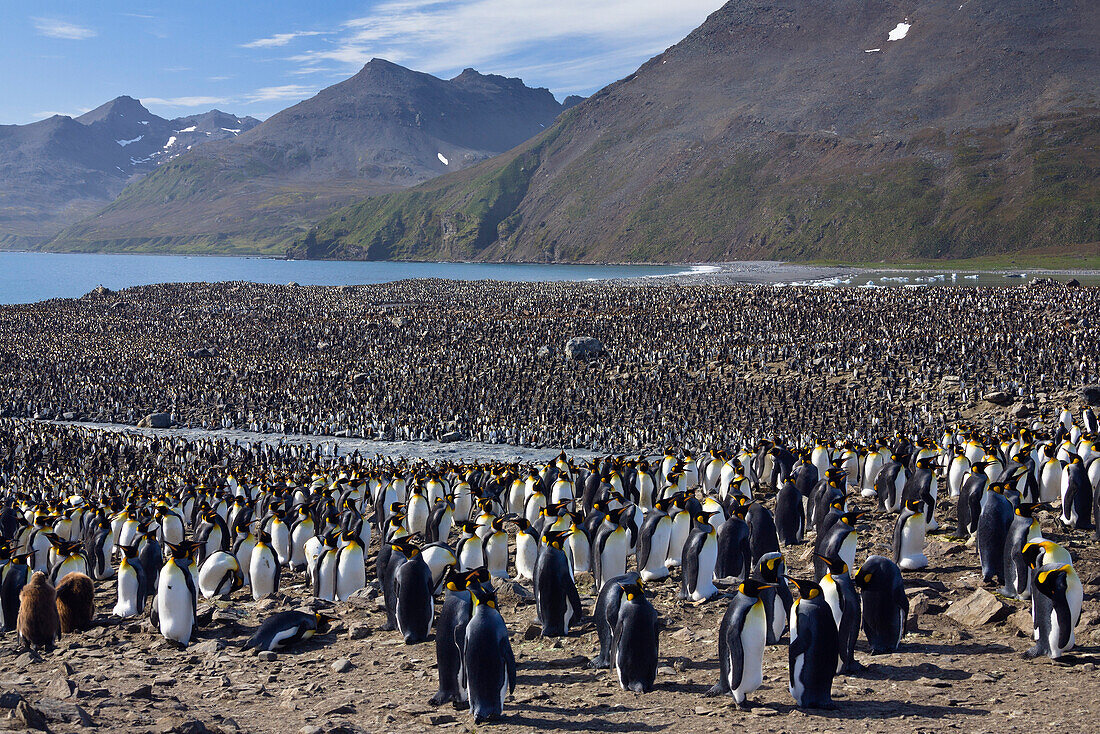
[[287, 629]]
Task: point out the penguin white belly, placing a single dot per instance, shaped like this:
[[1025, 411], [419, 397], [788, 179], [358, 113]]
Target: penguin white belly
[[847, 550], [127, 594], [655, 567], [579, 551], [496, 555], [351, 573], [1074, 598], [214, 569], [128, 533], [795, 685], [704, 582], [753, 635], [681, 527], [779, 617], [613, 557], [472, 555], [263, 574], [174, 605], [418, 515], [561, 492], [310, 552], [832, 597], [912, 545], [527, 552], [72, 564], [244, 557], [326, 574]]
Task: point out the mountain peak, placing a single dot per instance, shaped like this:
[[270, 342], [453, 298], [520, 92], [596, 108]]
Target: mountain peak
[[123, 106]]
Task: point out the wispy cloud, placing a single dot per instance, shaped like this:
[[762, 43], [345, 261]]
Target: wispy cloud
[[280, 39], [554, 38], [196, 101], [286, 91], [54, 28]]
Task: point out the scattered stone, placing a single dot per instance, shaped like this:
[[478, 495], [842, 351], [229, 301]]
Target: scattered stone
[[61, 688], [452, 437], [532, 631], [979, 608], [514, 592], [208, 647], [359, 630], [1091, 394], [267, 656], [341, 665], [1021, 620], [30, 717], [181, 725], [65, 712]]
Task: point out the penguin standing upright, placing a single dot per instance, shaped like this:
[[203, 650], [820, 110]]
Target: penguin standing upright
[[414, 610], [700, 555], [775, 594], [885, 605], [16, 575], [653, 542], [734, 549], [488, 664], [790, 515], [969, 506], [635, 641], [557, 603], [1076, 495], [606, 615], [922, 485], [843, 599], [264, 570], [993, 527], [839, 542], [177, 597], [610, 548], [741, 640], [450, 628], [814, 648], [1023, 529], [1056, 606], [909, 536], [132, 585], [351, 566]]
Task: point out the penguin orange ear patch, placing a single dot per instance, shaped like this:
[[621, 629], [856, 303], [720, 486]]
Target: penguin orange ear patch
[[867, 578]]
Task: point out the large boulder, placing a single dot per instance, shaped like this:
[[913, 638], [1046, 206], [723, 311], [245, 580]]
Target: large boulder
[[979, 608], [1090, 394], [156, 420], [584, 347], [998, 397]]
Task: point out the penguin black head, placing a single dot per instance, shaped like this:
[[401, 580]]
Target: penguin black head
[[916, 505], [1048, 580], [752, 587], [482, 595], [631, 591], [769, 566], [324, 622], [1028, 509], [835, 565], [182, 551], [130, 551], [462, 580], [555, 538], [807, 588], [852, 517], [703, 518]]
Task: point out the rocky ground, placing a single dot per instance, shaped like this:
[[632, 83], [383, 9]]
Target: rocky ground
[[959, 668]]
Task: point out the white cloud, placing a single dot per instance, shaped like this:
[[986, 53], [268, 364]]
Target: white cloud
[[53, 28], [196, 101], [286, 91], [556, 39], [279, 39]]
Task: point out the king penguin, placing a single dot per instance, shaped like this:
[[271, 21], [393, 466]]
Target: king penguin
[[450, 628], [843, 599], [885, 605], [488, 664], [909, 536], [741, 640], [606, 615], [1056, 607], [700, 555], [814, 648], [557, 602], [177, 598], [635, 641]]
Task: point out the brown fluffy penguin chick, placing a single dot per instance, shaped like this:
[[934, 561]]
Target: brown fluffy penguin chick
[[75, 602], [38, 625]]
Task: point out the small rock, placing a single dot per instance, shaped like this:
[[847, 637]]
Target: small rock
[[208, 647], [979, 608], [532, 632], [1090, 394], [341, 665], [359, 630], [156, 420], [267, 656], [142, 691], [514, 593], [1021, 620], [310, 729], [61, 688], [30, 717], [180, 725]]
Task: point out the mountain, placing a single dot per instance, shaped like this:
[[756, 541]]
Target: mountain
[[55, 171], [385, 128], [792, 129]]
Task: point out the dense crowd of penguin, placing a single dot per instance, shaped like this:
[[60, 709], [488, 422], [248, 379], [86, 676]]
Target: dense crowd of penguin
[[167, 520], [685, 365]]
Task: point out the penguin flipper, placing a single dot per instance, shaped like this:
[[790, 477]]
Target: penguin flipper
[[509, 663]]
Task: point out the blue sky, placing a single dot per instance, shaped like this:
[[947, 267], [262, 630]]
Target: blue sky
[[257, 58]]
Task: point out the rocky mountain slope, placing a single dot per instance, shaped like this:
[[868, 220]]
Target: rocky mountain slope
[[838, 129], [55, 171], [383, 129]]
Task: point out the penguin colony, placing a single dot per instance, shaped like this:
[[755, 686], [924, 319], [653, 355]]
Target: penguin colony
[[686, 365], [708, 527]]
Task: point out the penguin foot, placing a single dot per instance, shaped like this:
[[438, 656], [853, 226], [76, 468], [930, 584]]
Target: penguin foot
[[716, 690], [598, 663], [853, 666], [821, 706], [1032, 653], [388, 626], [745, 705], [441, 698]]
